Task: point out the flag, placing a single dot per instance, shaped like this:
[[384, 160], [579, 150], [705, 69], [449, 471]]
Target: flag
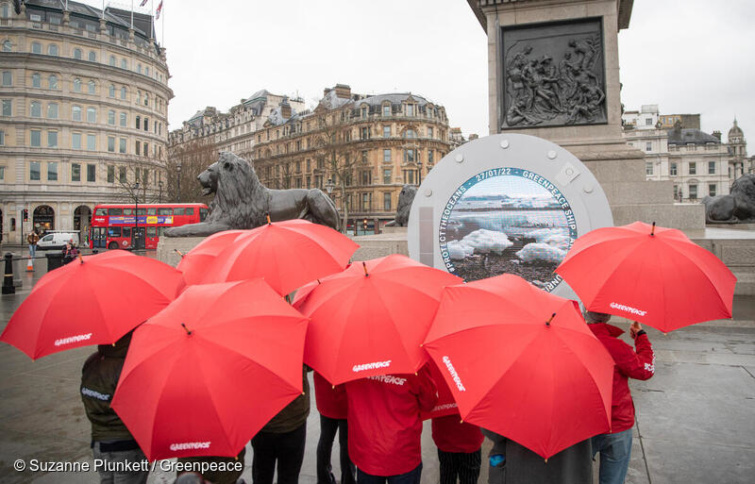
[[144, 2], [159, 9]]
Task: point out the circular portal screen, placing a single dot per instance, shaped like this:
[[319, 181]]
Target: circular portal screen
[[507, 220]]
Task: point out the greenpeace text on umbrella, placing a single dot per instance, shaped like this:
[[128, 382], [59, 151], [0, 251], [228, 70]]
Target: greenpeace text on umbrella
[[72, 339], [628, 309], [190, 446], [454, 375], [371, 366], [393, 380]]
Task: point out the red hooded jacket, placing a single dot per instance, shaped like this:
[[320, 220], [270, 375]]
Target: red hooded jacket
[[638, 364], [331, 400], [385, 427]]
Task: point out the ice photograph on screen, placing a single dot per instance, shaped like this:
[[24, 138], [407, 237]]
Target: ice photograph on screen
[[507, 220]]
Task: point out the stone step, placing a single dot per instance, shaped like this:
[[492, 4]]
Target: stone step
[[639, 192], [679, 216]]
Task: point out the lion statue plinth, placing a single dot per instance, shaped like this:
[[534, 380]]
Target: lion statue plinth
[[243, 202], [405, 200], [736, 207]]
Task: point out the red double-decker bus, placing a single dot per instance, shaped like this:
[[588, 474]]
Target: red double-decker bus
[[115, 227]]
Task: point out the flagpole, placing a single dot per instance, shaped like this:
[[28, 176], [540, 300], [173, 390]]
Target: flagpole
[[152, 27], [132, 14], [162, 29]]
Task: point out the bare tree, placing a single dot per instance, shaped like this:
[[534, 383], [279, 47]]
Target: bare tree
[[185, 162], [335, 153]]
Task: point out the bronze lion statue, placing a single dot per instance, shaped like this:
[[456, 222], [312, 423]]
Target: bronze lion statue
[[405, 200], [242, 202], [736, 207]]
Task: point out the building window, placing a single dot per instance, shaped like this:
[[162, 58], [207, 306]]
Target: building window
[[364, 133], [122, 145], [36, 80], [7, 78], [92, 56], [75, 172], [693, 168], [91, 172], [146, 124], [648, 146], [410, 133], [386, 131], [77, 85], [2, 138], [36, 109], [112, 60], [91, 115], [111, 174], [672, 169], [36, 48], [52, 171], [76, 113], [52, 111], [2, 173], [712, 190], [76, 141], [387, 110], [430, 132], [124, 119], [7, 107], [111, 91], [77, 54], [693, 192], [366, 202], [146, 149], [111, 117], [409, 177], [52, 49], [91, 142], [52, 139], [386, 156], [430, 157], [91, 87], [410, 109], [122, 174], [53, 82], [648, 121], [365, 156], [386, 201], [648, 167], [36, 138], [410, 156], [7, 46], [677, 193], [111, 144], [138, 122], [123, 92], [34, 171], [711, 168], [138, 147], [366, 177]]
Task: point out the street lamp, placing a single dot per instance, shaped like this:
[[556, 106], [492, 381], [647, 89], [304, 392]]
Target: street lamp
[[135, 235], [329, 186], [160, 193], [178, 170], [419, 171]]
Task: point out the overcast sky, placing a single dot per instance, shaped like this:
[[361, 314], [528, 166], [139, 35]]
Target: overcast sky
[[690, 56]]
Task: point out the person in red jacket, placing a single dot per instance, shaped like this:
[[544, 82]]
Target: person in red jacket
[[459, 445], [331, 403], [639, 363], [385, 426]]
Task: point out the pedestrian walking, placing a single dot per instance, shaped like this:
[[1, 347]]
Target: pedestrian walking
[[615, 448], [459, 453], [333, 408], [385, 427], [32, 240], [112, 443]]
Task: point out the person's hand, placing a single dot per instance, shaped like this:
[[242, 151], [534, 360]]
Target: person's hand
[[634, 329]]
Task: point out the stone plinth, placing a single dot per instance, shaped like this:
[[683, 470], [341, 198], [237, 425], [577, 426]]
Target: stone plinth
[[598, 143], [168, 246]]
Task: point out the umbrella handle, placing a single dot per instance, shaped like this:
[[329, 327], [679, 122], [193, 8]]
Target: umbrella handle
[[179, 253], [652, 231], [548, 323], [188, 331], [364, 264]]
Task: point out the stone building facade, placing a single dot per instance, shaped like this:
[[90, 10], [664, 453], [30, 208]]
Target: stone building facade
[[698, 164], [84, 114]]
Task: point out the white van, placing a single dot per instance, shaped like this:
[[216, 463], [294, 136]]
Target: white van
[[57, 240]]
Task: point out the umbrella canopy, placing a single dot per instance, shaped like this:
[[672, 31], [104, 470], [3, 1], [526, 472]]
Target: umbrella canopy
[[94, 300], [522, 363], [653, 275], [204, 375], [286, 254], [371, 318], [194, 264]]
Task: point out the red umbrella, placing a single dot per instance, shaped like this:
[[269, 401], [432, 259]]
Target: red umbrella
[[194, 264], [287, 254], [522, 363], [653, 275], [204, 375], [94, 300], [371, 318]]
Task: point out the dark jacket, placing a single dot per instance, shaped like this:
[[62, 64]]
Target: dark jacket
[[294, 415], [99, 377]]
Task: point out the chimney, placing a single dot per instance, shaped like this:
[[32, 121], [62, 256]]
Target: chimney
[[343, 91], [717, 134], [285, 108]]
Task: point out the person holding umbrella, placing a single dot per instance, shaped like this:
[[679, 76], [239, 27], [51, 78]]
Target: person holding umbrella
[[331, 403], [111, 440], [385, 426], [615, 448]]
